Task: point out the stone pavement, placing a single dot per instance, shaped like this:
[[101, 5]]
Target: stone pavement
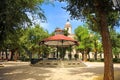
[[23, 71]]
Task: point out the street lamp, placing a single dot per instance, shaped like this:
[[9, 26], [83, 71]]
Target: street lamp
[[116, 4]]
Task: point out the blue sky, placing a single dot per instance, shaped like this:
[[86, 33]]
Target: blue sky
[[57, 17]]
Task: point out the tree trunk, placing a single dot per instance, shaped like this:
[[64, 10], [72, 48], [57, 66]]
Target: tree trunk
[[100, 55], [85, 55], [82, 56], [107, 48], [89, 56], [106, 42], [2, 54], [116, 56], [95, 55]]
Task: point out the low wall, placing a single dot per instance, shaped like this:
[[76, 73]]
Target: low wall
[[59, 63]]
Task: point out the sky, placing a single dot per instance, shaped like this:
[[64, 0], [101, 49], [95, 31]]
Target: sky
[[57, 17]]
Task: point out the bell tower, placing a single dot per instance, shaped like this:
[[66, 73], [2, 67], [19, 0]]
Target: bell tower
[[68, 27]]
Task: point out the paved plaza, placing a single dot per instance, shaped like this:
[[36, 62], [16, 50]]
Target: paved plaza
[[23, 71]]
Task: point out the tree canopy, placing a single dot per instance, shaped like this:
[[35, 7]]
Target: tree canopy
[[14, 14], [89, 41], [30, 38], [32, 35], [88, 10], [115, 38]]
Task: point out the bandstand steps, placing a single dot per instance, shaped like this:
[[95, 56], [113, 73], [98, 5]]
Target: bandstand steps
[[59, 63]]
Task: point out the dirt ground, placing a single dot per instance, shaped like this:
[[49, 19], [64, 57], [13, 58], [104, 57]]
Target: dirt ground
[[23, 71]]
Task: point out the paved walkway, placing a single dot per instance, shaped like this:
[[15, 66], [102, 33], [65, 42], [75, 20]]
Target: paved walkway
[[23, 71]]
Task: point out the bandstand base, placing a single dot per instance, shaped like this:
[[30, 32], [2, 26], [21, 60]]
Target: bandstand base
[[59, 63]]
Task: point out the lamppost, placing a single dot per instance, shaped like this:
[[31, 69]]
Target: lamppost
[[116, 4]]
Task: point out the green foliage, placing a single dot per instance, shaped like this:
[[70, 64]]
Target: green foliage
[[12, 41], [14, 14], [115, 39], [89, 41], [66, 32], [32, 36], [86, 9], [83, 36], [29, 41], [96, 40]]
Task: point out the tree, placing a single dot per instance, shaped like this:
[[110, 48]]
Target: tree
[[11, 43], [66, 32], [31, 37], [115, 38], [96, 40], [15, 14], [83, 36], [103, 15]]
